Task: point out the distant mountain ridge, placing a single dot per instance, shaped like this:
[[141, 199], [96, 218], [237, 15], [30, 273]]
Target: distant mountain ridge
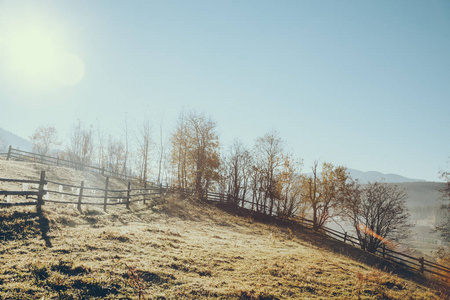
[[370, 176], [8, 138]]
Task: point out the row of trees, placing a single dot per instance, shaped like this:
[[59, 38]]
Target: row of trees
[[270, 181], [90, 146], [267, 176]]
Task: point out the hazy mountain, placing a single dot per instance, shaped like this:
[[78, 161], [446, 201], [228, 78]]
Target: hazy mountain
[[8, 138], [420, 192], [370, 176]]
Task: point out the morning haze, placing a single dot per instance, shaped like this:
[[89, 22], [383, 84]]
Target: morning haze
[[306, 116]]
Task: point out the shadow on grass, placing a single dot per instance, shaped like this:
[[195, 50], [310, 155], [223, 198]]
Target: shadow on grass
[[44, 226], [19, 225]]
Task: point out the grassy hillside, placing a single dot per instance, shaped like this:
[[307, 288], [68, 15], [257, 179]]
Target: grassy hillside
[[177, 248]]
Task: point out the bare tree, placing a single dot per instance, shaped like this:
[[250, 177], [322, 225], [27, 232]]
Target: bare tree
[[269, 155], [289, 188], [378, 213], [179, 143], [144, 139], [236, 170], [167, 174], [161, 151], [444, 227], [81, 144], [256, 183], [126, 148], [116, 156], [44, 140], [101, 147]]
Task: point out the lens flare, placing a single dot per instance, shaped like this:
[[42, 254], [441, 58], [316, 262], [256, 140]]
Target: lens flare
[[367, 230], [70, 69]]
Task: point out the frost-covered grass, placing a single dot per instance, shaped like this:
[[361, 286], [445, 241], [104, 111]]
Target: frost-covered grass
[[155, 253], [175, 248]]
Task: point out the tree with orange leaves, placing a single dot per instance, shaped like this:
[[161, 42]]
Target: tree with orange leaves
[[195, 152], [325, 191], [289, 190], [44, 140]]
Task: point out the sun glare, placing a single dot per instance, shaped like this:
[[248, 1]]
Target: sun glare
[[33, 55], [38, 58]]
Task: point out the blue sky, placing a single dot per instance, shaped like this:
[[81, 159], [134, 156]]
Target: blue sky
[[364, 84]]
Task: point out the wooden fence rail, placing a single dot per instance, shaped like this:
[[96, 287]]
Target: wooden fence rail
[[79, 194], [21, 155], [86, 196]]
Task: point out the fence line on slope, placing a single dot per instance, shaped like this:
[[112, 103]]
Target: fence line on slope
[[21, 155], [77, 194], [130, 195]]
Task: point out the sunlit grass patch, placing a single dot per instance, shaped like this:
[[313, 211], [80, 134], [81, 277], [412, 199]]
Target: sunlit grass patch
[[113, 235], [200, 253]]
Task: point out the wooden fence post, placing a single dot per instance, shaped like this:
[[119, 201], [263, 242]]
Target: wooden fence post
[[57, 160], [128, 194], [422, 267], [9, 153], [160, 190], [106, 193], [42, 192], [80, 196], [145, 189], [345, 237], [103, 171]]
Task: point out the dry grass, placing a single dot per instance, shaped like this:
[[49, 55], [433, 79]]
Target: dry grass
[[202, 253], [176, 248]]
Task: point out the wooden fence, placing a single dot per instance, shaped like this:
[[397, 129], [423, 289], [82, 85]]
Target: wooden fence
[[21, 155], [47, 191], [81, 195], [405, 260], [39, 193]]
